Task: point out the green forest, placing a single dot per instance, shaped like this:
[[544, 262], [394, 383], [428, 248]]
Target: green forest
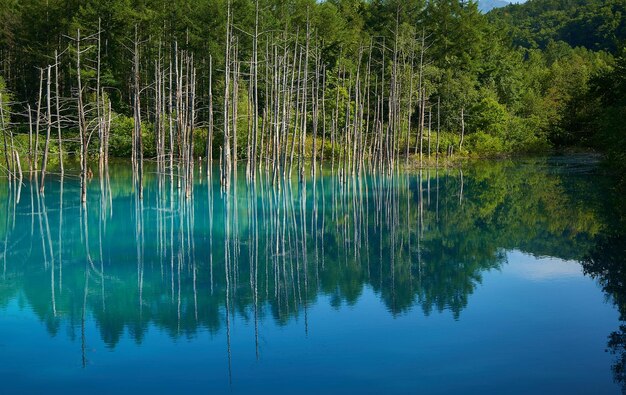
[[358, 82]]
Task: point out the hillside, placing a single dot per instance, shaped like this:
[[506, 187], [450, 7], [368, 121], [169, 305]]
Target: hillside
[[593, 24]]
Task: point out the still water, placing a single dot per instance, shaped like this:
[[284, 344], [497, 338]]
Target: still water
[[497, 278]]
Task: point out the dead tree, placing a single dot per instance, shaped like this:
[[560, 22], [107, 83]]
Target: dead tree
[[58, 111], [38, 119], [98, 109], [438, 127], [304, 104], [226, 151], [44, 160], [255, 91], [209, 142], [82, 125], [4, 137], [462, 129], [137, 130]]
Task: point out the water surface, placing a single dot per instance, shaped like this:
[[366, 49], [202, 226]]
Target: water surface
[[495, 278]]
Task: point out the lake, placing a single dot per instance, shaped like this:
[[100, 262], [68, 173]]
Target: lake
[[499, 277]]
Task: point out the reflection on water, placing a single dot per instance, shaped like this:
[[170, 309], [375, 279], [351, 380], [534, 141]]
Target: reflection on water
[[267, 256]]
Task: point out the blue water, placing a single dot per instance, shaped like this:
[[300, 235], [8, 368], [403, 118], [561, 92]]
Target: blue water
[[478, 280]]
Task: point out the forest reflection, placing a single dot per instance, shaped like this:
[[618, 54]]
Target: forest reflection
[[268, 252]]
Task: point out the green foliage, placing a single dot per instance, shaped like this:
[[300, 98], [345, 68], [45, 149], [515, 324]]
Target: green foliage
[[120, 141], [446, 140], [517, 73], [485, 144], [525, 135], [491, 117], [594, 24], [607, 113], [5, 100]]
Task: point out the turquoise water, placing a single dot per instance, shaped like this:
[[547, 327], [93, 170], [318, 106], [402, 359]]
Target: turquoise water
[[491, 279]]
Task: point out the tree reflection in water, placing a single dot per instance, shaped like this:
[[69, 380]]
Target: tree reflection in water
[[268, 252]]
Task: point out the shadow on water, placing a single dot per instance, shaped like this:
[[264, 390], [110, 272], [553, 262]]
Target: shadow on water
[[421, 241]]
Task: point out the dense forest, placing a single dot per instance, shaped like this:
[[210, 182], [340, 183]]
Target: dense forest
[[360, 83]]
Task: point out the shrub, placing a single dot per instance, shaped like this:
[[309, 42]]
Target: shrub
[[483, 144]]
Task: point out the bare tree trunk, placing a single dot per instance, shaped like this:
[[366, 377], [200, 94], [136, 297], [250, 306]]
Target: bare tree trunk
[[249, 134], [255, 90], [107, 134], [357, 99], [209, 142], [462, 130], [430, 118], [82, 125], [422, 116], [298, 111], [189, 178], [288, 104], [420, 87], [38, 118], [171, 126], [98, 108], [19, 165], [304, 104], [266, 110], [438, 125], [158, 113], [323, 116], [335, 121], [4, 136], [58, 111], [226, 152], [408, 133], [30, 138], [316, 89], [235, 109], [44, 160], [137, 116]]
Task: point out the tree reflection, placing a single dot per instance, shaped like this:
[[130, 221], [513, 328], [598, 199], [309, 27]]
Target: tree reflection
[[606, 262], [269, 252]]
